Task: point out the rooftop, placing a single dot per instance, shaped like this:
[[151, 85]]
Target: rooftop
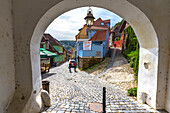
[[53, 41], [116, 28], [99, 36]]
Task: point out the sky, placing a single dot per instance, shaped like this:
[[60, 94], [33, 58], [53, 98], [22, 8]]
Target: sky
[[66, 26]]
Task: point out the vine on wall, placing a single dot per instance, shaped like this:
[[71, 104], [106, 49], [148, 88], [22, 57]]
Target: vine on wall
[[131, 52]]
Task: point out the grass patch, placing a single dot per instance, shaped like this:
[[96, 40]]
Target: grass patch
[[80, 69], [132, 91], [99, 67]]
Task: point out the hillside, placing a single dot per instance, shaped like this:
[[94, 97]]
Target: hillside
[[68, 44]]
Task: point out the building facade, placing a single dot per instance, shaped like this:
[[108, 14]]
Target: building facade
[[21, 32], [93, 43], [53, 45]]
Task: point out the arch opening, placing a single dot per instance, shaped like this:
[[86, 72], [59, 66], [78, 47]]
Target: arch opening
[[142, 26]]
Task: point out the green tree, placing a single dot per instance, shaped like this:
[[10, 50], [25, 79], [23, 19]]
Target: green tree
[[132, 49]]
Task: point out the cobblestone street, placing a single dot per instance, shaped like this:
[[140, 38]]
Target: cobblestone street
[[73, 92]]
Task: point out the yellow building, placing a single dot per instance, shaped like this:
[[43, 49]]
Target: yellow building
[[74, 52], [82, 34]]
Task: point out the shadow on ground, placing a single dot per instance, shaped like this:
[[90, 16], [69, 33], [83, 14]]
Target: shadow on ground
[[46, 75]]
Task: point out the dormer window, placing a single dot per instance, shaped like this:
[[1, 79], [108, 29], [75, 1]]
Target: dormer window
[[102, 24]]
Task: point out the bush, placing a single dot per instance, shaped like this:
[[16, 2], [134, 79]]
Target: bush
[[132, 92], [133, 58], [126, 52], [80, 69], [117, 39], [132, 49]]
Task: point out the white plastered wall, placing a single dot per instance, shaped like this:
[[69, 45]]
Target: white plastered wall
[[167, 103], [31, 18], [7, 73], [158, 13], [141, 25], [147, 77]]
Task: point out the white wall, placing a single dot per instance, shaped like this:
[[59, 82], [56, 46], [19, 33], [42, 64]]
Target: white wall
[[140, 23], [31, 18], [146, 24], [167, 104], [159, 16], [26, 14], [147, 77], [7, 81]]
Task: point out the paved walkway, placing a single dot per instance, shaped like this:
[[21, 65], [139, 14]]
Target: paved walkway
[[113, 53], [73, 92]]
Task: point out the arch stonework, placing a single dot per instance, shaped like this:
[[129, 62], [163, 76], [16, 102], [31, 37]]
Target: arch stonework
[[141, 25], [31, 18]]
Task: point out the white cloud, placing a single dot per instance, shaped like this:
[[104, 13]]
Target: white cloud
[[66, 26]]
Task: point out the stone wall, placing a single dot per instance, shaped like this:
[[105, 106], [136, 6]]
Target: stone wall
[[167, 106], [7, 70], [87, 62]]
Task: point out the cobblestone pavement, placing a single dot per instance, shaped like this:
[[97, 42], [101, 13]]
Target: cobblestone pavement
[[110, 64], [73, 92]]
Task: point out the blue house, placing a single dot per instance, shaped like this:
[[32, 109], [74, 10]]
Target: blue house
[[93, 43]]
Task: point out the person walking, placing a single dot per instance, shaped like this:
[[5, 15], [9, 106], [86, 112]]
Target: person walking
[[109, 52], [70, 67], [115, 45], [75, 66]]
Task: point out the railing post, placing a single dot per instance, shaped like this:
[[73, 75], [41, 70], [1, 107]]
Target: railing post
[[104, 100]]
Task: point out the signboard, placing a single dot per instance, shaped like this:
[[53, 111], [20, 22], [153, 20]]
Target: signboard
[[87, 45]]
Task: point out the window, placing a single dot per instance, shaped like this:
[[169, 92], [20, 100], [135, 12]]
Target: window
[[41, 45], [102, 24], [98, 54], [47, 46]]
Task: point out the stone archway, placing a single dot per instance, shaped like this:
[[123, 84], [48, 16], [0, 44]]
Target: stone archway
[[29, 19], [141, 25]]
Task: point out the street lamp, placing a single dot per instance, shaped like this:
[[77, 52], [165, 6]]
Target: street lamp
[[89, 18]]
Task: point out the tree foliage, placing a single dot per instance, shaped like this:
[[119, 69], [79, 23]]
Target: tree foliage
[[116, 39], [119, 23], [132, 92], [132, 49]]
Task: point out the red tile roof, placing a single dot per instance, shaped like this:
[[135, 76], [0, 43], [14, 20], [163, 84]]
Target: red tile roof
[[51, 40], [98, 28], [107, 21], [109, 31], [116, 28], [122, 26], [99, 36], [98, 23], [52, 49], [44, 39]]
